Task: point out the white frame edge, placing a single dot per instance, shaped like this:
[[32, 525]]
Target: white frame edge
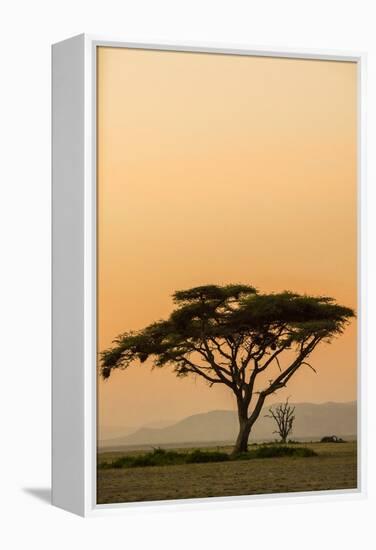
[[74, 312]]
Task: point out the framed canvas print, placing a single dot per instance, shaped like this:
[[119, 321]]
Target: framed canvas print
[[207, 304]]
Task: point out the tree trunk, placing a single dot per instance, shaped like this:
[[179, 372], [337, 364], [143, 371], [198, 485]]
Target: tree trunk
[[246, 422], [241, 444]]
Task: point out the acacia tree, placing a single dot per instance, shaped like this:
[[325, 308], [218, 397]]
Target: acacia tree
[[231, 335], [283, 414]]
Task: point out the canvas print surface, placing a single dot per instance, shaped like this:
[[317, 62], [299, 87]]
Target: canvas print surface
[[227, 275]]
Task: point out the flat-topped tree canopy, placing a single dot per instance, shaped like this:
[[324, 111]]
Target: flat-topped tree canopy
[[229, 335]]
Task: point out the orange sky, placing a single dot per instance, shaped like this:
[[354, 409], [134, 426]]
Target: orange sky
[[221, 169]]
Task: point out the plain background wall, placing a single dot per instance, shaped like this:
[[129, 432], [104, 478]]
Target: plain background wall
[[26, 31]]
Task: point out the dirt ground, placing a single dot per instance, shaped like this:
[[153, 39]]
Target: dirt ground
[[335, 467]]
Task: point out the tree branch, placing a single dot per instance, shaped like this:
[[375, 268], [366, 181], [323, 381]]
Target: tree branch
[[221, 372], [272, 357], [285, 376], [198, 370], [219, 349]]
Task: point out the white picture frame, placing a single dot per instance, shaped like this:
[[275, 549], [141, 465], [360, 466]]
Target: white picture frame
[[74, 275]]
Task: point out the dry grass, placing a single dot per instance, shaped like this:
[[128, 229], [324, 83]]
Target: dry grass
[[333, 468]]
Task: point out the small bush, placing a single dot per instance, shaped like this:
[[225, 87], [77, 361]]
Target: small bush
[[275, 451], [244, 456], [332, 439], [161, 457], [206, 456]]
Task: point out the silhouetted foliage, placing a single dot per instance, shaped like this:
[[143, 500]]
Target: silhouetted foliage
[[162, 457], [332, 439], [231, 335], [199, 456], [276, 451]]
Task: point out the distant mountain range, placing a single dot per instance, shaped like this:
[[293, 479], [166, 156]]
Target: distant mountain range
[[118, 431], [311, 421]]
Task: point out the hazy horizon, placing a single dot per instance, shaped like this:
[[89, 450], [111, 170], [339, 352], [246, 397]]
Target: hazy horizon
[[216, 169], [311, 420], [156, 420], [106, 430]]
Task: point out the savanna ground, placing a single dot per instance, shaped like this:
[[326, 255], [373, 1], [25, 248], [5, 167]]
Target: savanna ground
[[334, 467]]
